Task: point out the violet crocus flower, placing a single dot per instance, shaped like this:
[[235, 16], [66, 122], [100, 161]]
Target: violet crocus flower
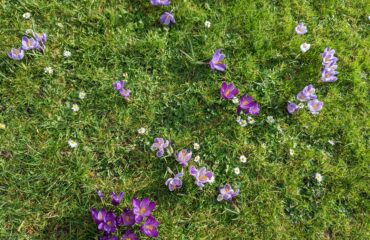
[[308, 93], [228, 91], [127, 218], [100, 194], [41, 40], [129, 235], [227, 193], [142, 208], [247, 105], [292, 107], [329, 61], [175, 182], [328, 57], [160, 2], [301, 29], [202, 176], [109, 225], [28, 43], [98, 216], [108, 237], [16, 53], [254, 109], [119, 85], [328, 75], [315, 106], [116, 199], [160, 145], [149, 228], [216, 62], [183, 157], [125, 93], [167, 18]]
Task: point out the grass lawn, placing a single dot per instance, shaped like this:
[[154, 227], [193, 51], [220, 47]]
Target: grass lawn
[[47, 188]]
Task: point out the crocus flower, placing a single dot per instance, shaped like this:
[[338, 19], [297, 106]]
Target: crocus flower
[[116, 199], [108, 237], [244, 103], [183, 157], [202, 176], [308, 93], [160, 2], [301, 29], [174, 183], [127, 218], [109, 225], [217, 61], [328, 57], [167, 18], [142, 208], [160, 145], [328, 75], [292, 107], [228, 91], [125, 93], [315, 106], [305, 47], [227, 193], [149, 228], [129, 235], [100, 194], [16, 53], [254, 109], [41, 40], [28, 43], [119, 85], [98, 216]]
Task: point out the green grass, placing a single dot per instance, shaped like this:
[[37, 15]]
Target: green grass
[[46, 188]]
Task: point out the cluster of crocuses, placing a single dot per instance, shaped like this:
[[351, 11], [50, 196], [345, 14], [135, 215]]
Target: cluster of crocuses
[[120, 87], [36, 42], [139, 217], [306, 95], [166, 18], [246, 103], [329, 62]]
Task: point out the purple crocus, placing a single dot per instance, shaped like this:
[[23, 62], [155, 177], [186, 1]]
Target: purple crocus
[[160, 145], [142, 208], [119, 85], [227, 193], [160, 2], [129, 235], [301, 29], [167, 18], [127, 218], [183, 157], [228, 91], [149, 228], [308, 93], [16, 53], [100, 194], [315, 106], [108, 237], [202, 176], [175, 182], [254, 109], [247, 105], [292, 107], [109, 225], [116, 199], [217, 61], [328, 57], [41, 40], [29, 43], [98, 216], [329, 62], [328, 75], [125, 93]]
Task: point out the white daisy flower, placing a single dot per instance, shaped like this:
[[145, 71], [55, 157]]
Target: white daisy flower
[[196, 146], [72, 143], [67, 54], [49, 70], [291, 152], [75, 108], [197, 159], [237, 171], [239, 119], [82, 95], [318, 177], [243, 159], [141, 131], [235, 100], [305, 47], [26, 15], [243, 123], [270, 119], [29, 31], [207, 24], [251, 120], [301, 105]]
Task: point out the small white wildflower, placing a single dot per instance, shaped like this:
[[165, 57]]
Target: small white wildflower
[[270, 119], [141, 131], [207, 24], [331, 142], [196, 146], [243, 123], [243, 159], [197, 159], [305, 47], [301, 105], [49, 70], [251, 120], [220, 198], [82, 95], [75, 108], [2, 126], [26, 15], [29, 31], [237, 171], [238, 119], [318, 177], [72, 143], [235, 100], [125, 75], [291, 152], [67, 54]]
